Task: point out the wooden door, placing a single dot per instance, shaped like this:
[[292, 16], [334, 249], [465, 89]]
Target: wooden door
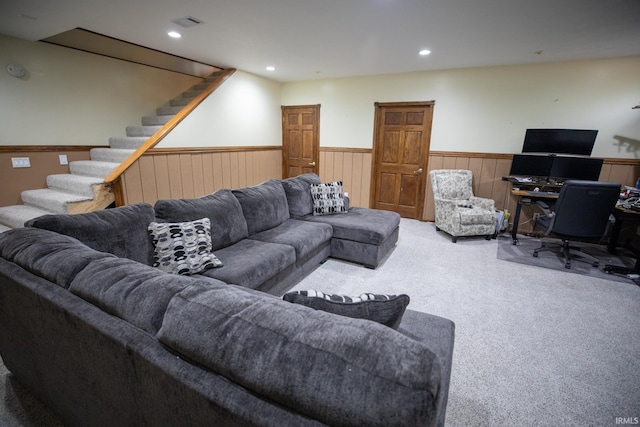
[[300, 140], [402, 135]]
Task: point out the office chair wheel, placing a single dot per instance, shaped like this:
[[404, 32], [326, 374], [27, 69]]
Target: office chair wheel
[[595, 263], [567, 264], [535, 254]]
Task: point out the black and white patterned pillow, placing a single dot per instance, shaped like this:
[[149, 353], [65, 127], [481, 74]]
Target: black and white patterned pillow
[[328, 198], [385, 309], [183, 247]]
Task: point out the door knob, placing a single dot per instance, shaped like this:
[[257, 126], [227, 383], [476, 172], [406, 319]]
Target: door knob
[[312, 163], [419, 171]]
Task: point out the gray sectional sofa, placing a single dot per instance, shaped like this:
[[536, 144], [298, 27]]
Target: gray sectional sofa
[[103, 337]]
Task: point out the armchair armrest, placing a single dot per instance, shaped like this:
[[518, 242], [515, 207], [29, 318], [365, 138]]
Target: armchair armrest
[[482, 202], [445, 208]]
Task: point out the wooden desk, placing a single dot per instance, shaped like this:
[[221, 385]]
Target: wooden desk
[[526, 197]]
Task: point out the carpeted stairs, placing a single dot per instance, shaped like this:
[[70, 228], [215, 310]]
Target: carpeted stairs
[[79, 190]]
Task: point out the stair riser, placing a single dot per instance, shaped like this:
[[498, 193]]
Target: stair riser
[[87, 168], [124, 142], [142, 130], [69, 184], [161, 111], [156, 120], [109, 154], [49, 200], [180, 102]]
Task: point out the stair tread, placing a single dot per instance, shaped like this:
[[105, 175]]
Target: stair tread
[[78, 184], [54, 195], [96, 163], [80, 178], [114, 150], [16, 215]]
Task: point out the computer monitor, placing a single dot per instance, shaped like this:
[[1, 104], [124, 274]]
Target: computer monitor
[[586, 168], [578, 142], [531, 165]]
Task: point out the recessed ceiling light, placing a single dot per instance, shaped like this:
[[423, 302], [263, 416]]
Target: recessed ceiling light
[[174, 34], [424, 52], [271, 68]]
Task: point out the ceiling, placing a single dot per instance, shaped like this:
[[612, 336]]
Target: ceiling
[[311, 39]]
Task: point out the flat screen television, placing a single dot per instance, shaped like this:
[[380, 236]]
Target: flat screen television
[[576, 168], [578, 142], [531, 165]]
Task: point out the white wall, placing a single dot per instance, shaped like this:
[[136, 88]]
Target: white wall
[[487, 109], [69, 97], [244, 111]]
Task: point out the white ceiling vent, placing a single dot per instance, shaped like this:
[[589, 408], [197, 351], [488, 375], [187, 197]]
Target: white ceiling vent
[[188, 21]]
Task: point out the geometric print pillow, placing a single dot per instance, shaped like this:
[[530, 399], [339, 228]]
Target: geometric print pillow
[[183, 247], [385, 309], [328, 198]]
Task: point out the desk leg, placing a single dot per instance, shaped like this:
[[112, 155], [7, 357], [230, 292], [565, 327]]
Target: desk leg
[[516, 221], [615, 234]]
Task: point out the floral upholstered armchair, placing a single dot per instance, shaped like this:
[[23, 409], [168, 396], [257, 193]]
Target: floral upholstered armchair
[[458, 211]]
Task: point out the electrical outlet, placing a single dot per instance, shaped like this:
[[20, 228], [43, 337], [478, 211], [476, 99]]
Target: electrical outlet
[[536, 216], [63, 159], [20, 162]]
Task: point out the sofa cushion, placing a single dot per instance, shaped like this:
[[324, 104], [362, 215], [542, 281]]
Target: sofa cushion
[[298, 193], [328, 198], [136, 293], [250, 262], [364, 225], [334, 369], [228, 225], [52, 256], [183, 247], [126, 228], [385, 309], [264, 206], [304, 236]]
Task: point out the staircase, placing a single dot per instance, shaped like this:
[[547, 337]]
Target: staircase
[[84, 188]]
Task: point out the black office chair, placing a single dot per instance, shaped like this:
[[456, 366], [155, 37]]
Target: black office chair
[[580, 214]]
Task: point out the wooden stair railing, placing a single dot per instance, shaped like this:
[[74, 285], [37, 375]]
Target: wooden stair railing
[[114, 177]]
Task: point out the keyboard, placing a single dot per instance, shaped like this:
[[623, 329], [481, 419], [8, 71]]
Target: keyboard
[[542, 193]]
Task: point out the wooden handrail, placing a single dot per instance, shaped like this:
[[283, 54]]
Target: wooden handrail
[[154, 139]]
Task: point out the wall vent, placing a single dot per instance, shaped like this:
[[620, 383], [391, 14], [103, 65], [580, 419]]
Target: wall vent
[[188, 21]]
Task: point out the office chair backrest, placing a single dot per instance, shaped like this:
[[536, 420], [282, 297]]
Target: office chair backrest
[[583, 208]]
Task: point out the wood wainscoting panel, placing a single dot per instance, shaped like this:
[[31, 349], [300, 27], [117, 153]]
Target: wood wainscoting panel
[[172, 173], [177, 174], [488, 170], [353, 167]]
